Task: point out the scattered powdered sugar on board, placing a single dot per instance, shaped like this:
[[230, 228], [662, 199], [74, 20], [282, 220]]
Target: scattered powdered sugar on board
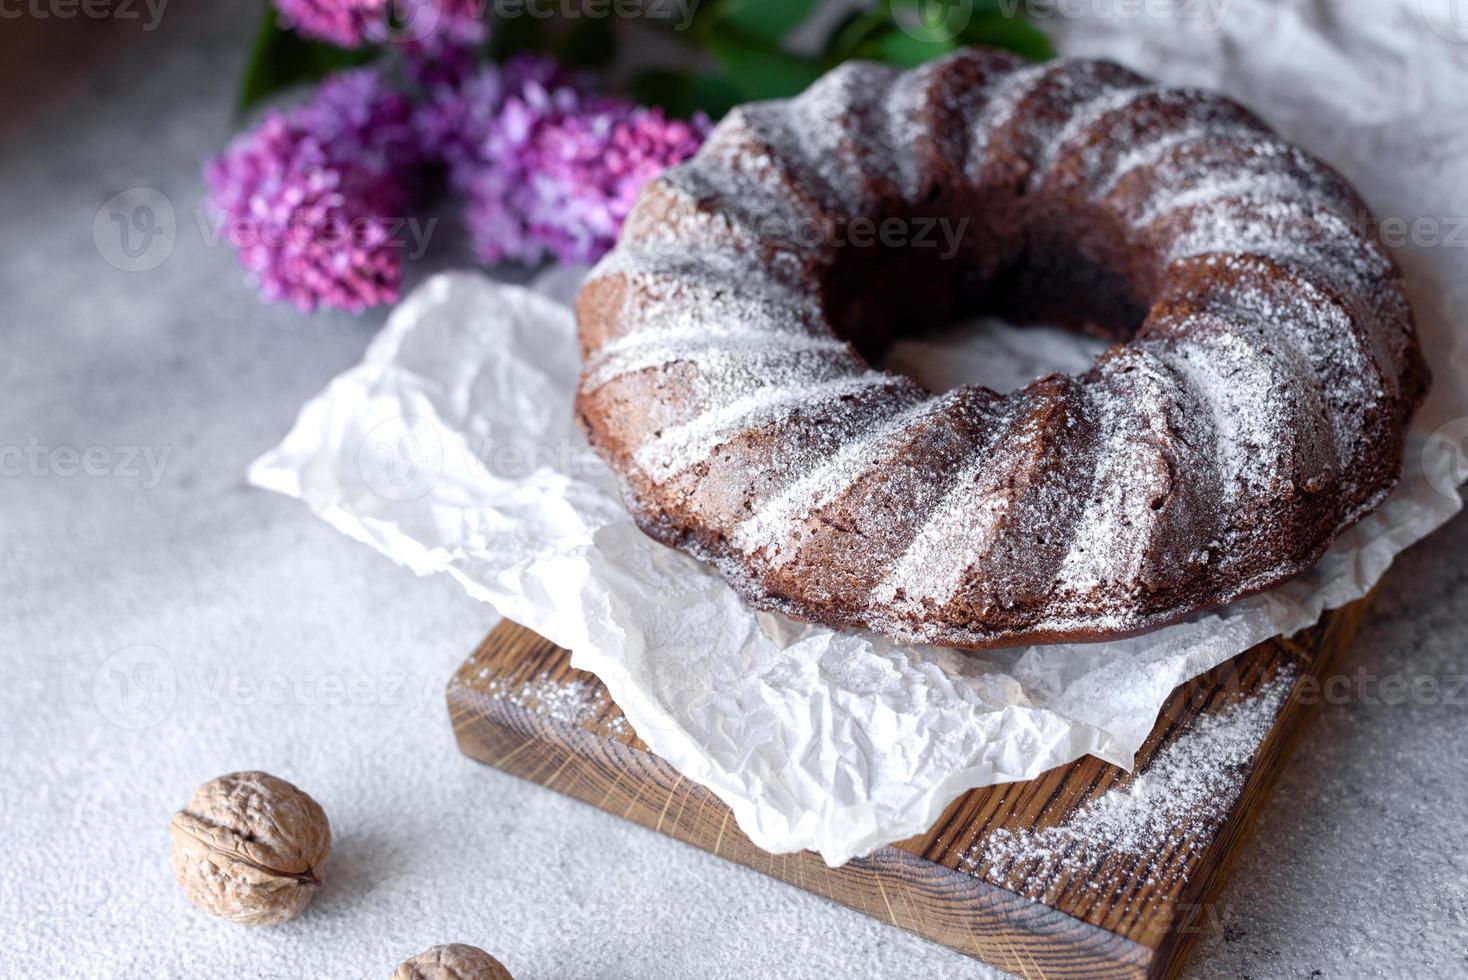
[[1185, 791], [572, 702]]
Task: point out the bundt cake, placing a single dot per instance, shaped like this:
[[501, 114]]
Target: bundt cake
[[1253, 407]]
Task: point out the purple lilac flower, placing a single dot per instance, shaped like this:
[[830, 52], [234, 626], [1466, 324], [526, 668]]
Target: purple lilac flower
[[436, 25], [423, 25], [588, 167], [308, 197], [345, 23], [548, 167], [445, 67], [360, 116], [455, 120]]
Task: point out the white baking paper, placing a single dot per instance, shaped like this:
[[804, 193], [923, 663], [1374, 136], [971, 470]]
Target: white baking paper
[[451, 448]]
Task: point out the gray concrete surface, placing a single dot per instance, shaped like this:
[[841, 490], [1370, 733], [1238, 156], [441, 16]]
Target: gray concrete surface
[[157, 629]]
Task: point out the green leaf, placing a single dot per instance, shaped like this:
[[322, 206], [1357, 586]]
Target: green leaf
[[853, 30], [509, 36], [764, 20], [673, 90], [962, 8], [760, 71], [1010, 33], [962, 21], [689, 22], [935, 21], [895, 47], [590, 42], [714, 95], [681, 94], [280, 58], [262, 74]]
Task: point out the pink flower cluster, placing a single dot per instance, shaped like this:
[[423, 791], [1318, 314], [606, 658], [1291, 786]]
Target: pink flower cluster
[[426, 24], [586, 169], [310, 199], [549, 168], [313, 198], [460, 111]]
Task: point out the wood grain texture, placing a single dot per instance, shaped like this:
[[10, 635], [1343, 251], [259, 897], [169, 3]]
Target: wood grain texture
[[518, 705]]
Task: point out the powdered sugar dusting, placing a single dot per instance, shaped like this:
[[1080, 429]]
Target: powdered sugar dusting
[[1182, 796], [1281, 228], [1150, 153], [1008, 93], [1113, 534], [1248, 430], [901, 113], [716, 353], [1321, 329], [1268, 185], [958, 527], [680, 447], [842, 135], [1084, 116], [678, 293], [954, 534], [823, 480]]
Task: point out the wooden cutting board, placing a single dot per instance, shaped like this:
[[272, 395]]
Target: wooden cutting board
[[1083, 872]]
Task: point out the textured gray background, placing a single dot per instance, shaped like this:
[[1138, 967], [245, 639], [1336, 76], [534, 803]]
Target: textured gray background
[[254, 609]]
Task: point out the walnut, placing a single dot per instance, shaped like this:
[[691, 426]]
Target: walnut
[[455, 961], [249, 848]]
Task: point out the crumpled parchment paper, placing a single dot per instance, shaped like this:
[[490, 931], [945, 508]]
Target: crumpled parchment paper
[[452, 448]]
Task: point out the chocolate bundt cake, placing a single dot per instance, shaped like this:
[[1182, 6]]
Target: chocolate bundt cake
[[1253, 407]]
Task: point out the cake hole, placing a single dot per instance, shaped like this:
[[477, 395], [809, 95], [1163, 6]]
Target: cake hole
[[991, 352], [962, 305]]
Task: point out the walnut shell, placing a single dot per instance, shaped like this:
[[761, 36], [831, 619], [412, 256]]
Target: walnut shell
[[249, 848], [456, 961]]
